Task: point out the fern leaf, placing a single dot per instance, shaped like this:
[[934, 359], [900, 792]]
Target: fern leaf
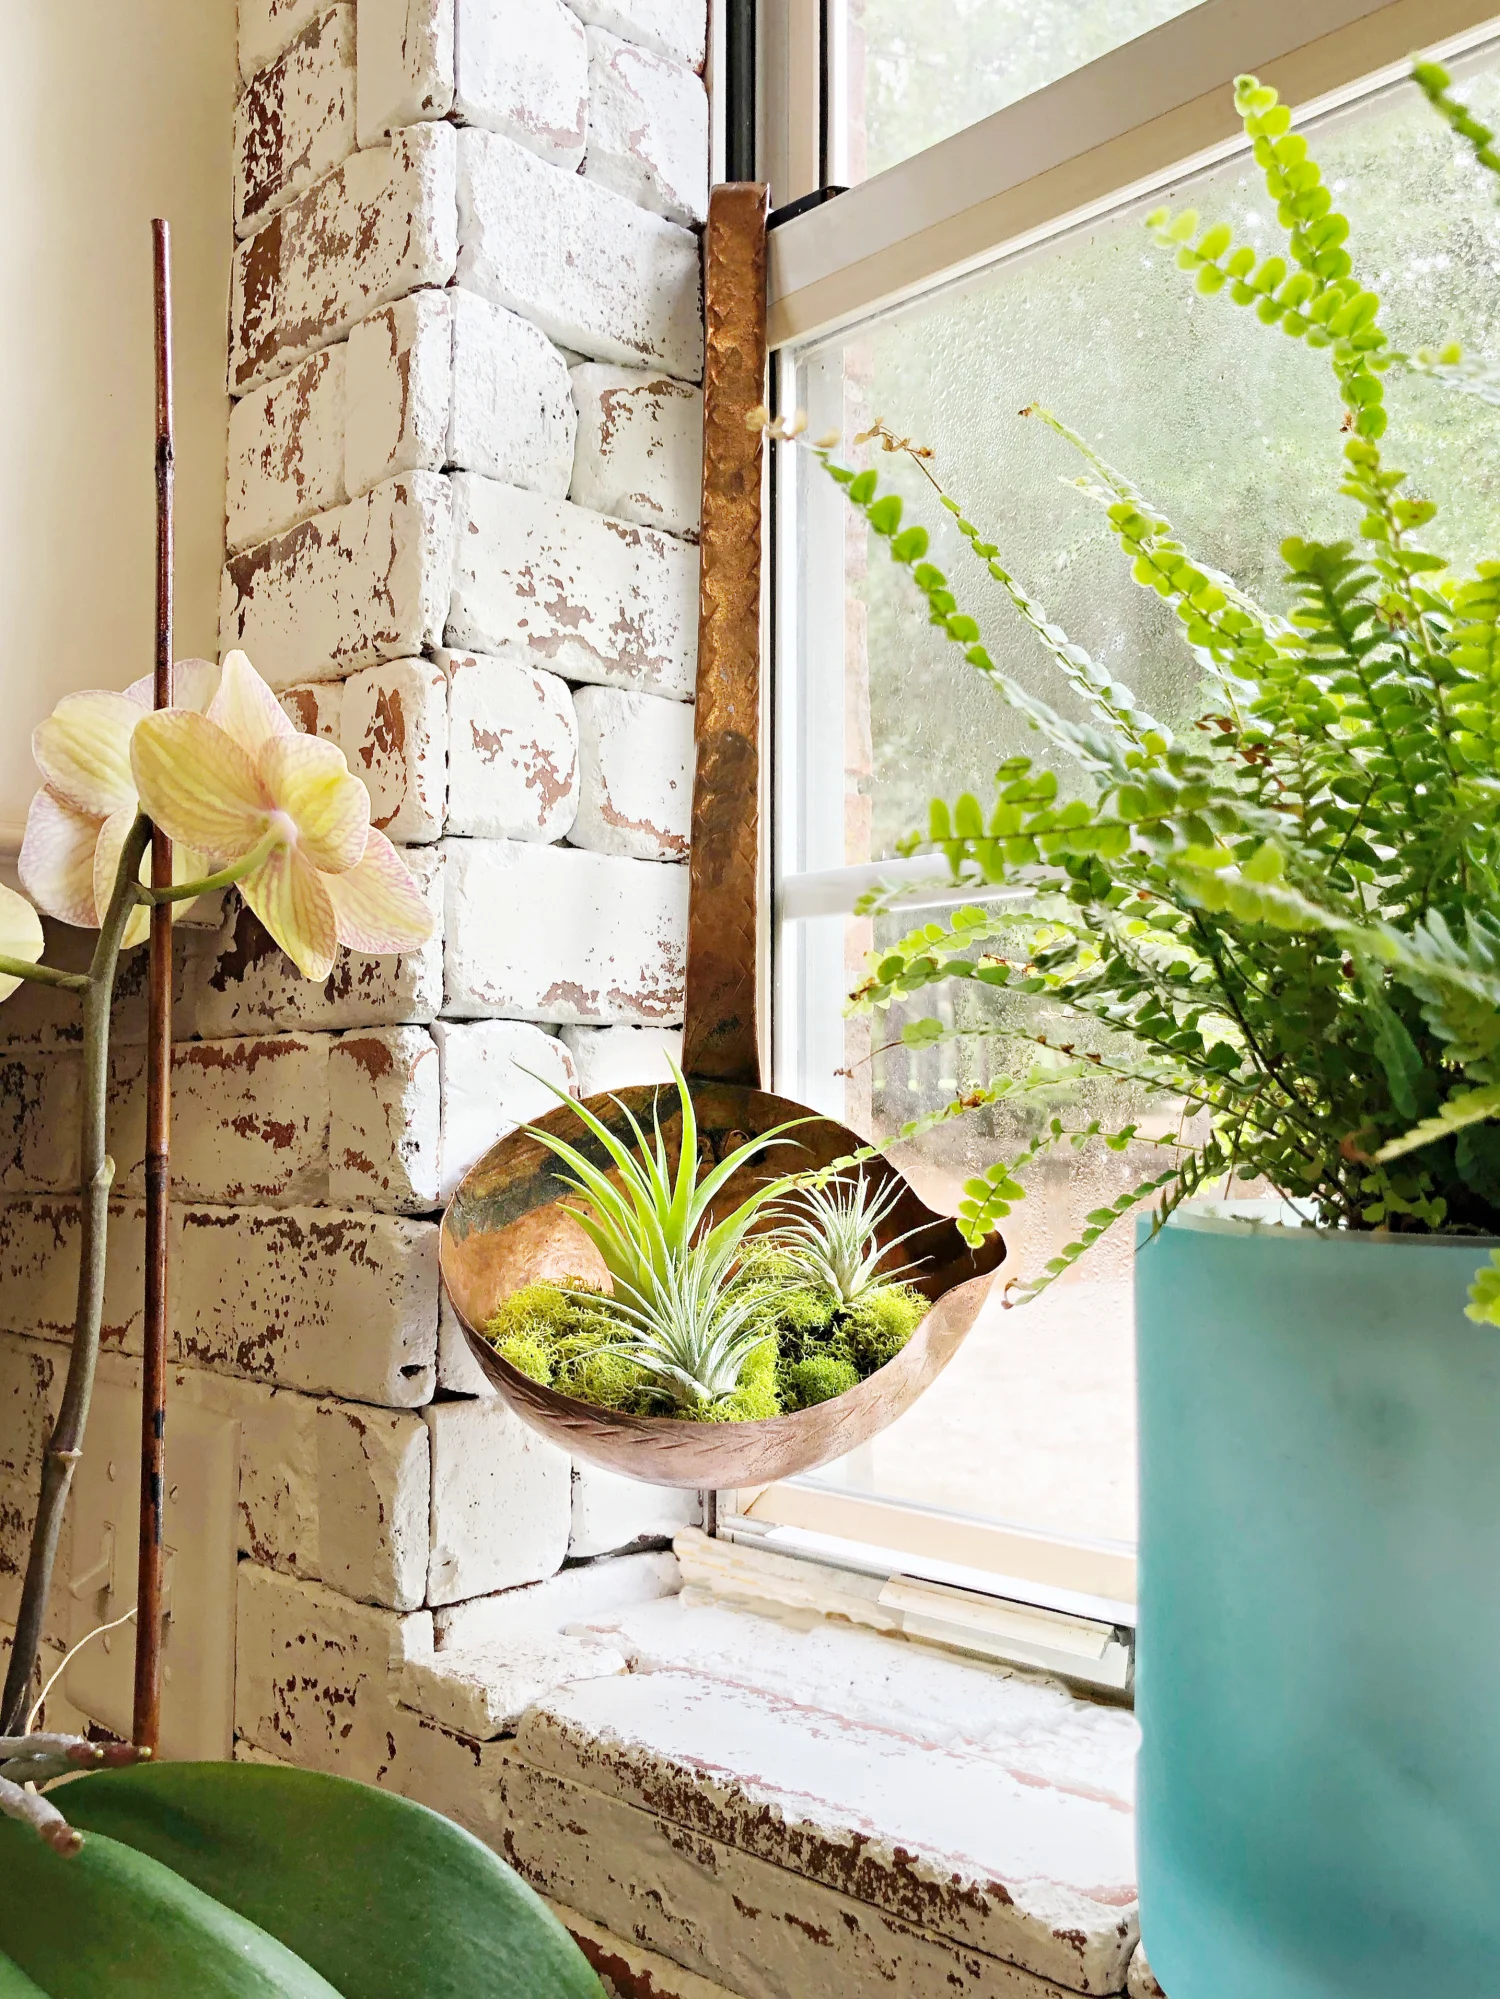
[[1464, 1108]]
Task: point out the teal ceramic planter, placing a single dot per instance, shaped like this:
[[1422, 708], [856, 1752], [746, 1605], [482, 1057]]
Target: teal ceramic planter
[[1319, 1650]]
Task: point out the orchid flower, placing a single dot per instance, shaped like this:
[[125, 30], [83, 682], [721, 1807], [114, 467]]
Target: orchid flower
[[78, 820], [282, 813], [20, 936]]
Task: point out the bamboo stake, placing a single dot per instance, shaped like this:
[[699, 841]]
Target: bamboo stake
[[146, 1731]]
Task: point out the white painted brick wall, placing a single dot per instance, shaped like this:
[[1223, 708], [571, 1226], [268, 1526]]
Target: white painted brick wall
[[512, 750], [570, 1599], [39, 1270], [501, 1500], [250, 984], [399, 390], [512, 412], [490, 1071], [458, 1373], [295, 121], [616, 1058], [40, 1103], [383, 1119], [286, 450], [648, 129], [393, 729], [639, 449], [266, 26], [551, 934], [406, 50], [314, 707], [278, 1504], [365, 582], [635, 765], [378, 226], [586, 597], [675, 28], [250, 1119], [613, 1514], [595, 272], [320, 1299], [374, 1498], [523, 71]]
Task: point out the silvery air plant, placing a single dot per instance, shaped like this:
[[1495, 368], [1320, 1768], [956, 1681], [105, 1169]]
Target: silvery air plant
[[250, 803], [1287, 917], [708, 1317]]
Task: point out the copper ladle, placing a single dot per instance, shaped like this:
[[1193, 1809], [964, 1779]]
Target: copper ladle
[[506, 1224]]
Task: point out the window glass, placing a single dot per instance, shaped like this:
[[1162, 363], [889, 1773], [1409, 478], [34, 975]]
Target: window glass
[[1231, 430], [920, 70]]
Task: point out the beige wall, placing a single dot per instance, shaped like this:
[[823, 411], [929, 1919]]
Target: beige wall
[[116, 110]]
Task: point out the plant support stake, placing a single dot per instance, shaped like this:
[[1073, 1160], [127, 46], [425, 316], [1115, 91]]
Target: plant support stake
[[146, 1731]]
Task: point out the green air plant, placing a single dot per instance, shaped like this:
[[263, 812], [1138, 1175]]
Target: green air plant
[[830, 1235], [1291, 911]]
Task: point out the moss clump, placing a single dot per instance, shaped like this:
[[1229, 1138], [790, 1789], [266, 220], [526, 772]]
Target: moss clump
[[819, 1378], [812, 1350]]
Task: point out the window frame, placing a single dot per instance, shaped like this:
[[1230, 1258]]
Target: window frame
[[1146, 115]]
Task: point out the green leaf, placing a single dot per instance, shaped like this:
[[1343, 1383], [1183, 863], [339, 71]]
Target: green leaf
[[1463, 1108]]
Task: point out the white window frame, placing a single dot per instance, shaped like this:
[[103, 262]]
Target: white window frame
[[1148, 114]]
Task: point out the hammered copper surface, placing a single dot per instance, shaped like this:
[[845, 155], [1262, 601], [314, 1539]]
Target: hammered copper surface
[[506, 1226], [721, 1037]]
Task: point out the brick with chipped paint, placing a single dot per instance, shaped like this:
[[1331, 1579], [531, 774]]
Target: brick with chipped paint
[[512, 749], [326, 1300], [590, 598], [315, 1671], [266, 26], [615, 1058], [639, 452], [635, 774], [31, 1375], [295, 119], [523, 71], [400, 383], [365, 582], [513, 417], [377, 227], [556, 934], [1005, 1841], [40, 1104], [561, 1603], [500, 1501], [251, 1119], [286, 451], [495, 1076], [406, 59], [1143, 1983], [39, 1269], [393, 731], [314, 707], [250, 985], [458, 1372], [614, 1515], [648, 128], [383, 1119], [482, 1693], [596, 273], [374, 1498], [757, 1928], [677, 29], [627, 1970], [44, 1017]]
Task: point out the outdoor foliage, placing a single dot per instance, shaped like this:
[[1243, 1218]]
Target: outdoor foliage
[[1289, 911]]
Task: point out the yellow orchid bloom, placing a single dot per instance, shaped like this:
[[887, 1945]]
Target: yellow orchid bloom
[[78, 820], [239, 784], [20, 935]]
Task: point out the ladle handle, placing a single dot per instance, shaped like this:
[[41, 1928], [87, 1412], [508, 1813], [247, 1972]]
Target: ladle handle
[[721, 1034]]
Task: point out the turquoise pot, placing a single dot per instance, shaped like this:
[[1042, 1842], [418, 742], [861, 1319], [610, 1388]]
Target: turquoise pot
[[1318, 1678]]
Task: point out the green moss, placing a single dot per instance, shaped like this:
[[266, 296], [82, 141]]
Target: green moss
[[879, 1326], [820, 1378], [608, 1379], [527, 1353]]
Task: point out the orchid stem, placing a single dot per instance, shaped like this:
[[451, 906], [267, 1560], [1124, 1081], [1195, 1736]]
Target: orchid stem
[[66, 1442], [43, 975], [225, 878]]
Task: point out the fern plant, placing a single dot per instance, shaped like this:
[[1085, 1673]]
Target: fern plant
[[1289, 910]]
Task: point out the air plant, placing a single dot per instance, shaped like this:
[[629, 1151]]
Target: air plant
[[832, 1238], [693, 1341]]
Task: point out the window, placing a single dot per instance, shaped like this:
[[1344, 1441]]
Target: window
[[987, 270]]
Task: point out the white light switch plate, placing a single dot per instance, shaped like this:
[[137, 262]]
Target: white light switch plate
[[197, 1707]]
